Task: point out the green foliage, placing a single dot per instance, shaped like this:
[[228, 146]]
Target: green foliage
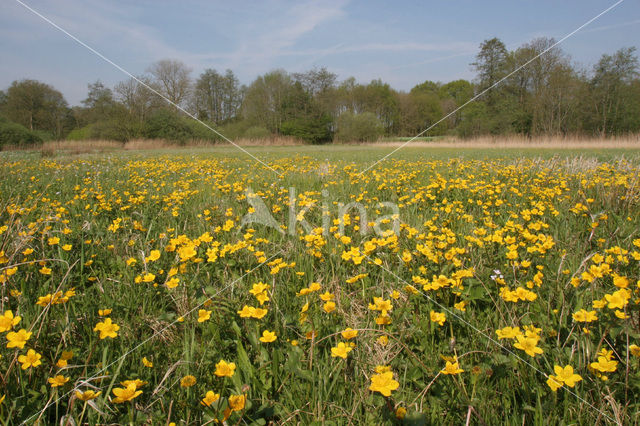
[[168, 125], [256, 132], [36, 106], [236, 129], [17, 135], [363, 127], [201, 132], [311, 130], [80, 134], [473, 120]]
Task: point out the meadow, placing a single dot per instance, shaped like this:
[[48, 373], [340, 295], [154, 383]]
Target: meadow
[[477, 286]]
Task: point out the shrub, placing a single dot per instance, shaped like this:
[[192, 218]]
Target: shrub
[[201, 132], [312, 130], [235, 129], [16, 134], [363, 127], [168, 125], [256, 132], [81, 134]]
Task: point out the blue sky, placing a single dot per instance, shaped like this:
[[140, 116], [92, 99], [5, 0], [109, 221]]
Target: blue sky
[[403, 43]]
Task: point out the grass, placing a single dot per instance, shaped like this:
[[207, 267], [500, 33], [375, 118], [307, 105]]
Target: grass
[[487, 239]]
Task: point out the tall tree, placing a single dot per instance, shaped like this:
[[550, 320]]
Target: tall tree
[[613, 76], [137, 98], [491, 65], [263, 103], [99, 103], [217, 97], [172, 78], [37, 106]]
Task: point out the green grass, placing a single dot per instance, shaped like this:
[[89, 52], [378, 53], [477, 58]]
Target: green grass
[[459, 210]]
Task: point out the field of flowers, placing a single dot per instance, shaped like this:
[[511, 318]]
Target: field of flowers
[[473, 286]]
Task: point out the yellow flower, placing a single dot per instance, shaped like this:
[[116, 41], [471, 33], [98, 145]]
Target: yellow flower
[[329, 307], [341, 350], [251, 312], [461, 306], [187, 381], [107, 329], [529, 345], [566, 375], [131, 261], [31, 359], [508, 332], [18, 339], [126, 394], [153, 256], [225, 369], [87, 395], [173, 282], [326, 296], [146, 362], [137, 382], [349, 333], [635, 350], [104, 312], [186, 252], [604, 365], [203, 315], [268, 336], [585, 316], [59, 380], [383, 383], [599, 304], [438, 317], [554, 383], [237, 402], [620, 314], [148, 277], [382, 369], [452, 368], [53, 241], [45, 271], [618, 299], [210, 398], [7, 321]]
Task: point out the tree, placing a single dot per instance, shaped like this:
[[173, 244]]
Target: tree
[[453, 95], [264, 101], [613, 76], [217, 98], [3, 102], [418, 110], [172, 79], [365, 127], [37, 106], [137, 98], [316, 81], [491, 65], [99, 103]]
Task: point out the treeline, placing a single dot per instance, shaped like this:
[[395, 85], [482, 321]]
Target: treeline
[[549, 96]]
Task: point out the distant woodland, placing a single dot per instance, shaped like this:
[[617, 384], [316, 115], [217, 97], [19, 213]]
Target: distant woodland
[[549, 96]]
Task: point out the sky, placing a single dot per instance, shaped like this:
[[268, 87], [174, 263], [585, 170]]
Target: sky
[[404, 43]]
